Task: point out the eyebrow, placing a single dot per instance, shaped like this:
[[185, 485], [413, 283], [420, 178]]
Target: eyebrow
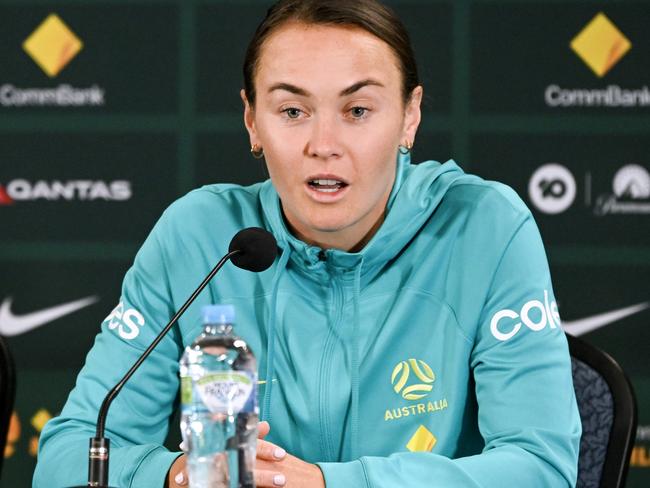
[[359, 85], [347, 91], [290, 88]]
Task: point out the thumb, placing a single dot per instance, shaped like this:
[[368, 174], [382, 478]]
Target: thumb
[[263, 428]]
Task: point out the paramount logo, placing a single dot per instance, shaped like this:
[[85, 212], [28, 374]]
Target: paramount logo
[[631, 186], [21, 190]]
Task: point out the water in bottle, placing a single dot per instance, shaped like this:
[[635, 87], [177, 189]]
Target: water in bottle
[[219, 411]]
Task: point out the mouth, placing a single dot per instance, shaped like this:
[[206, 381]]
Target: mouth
[[326, 185], [326, 188]]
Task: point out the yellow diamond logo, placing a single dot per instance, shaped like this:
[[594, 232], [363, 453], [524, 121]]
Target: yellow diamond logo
[[600, 45], [40, 418], [52, 45], [422, 440]]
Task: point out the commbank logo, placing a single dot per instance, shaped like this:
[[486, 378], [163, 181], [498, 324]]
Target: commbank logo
[[402, 374], [601, 45], [52, 45]]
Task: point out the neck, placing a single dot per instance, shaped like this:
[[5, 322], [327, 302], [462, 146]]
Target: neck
[[345, 240]]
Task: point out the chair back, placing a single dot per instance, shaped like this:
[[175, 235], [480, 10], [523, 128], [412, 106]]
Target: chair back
[[608, 412], [7, 394]]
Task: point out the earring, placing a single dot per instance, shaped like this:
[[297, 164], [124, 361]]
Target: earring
[[257, 151], [405, 148]]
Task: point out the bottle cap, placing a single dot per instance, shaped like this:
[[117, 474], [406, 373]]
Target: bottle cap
[[218, 314]]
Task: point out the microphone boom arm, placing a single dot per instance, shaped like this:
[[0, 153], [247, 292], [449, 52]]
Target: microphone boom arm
[[99, 446]]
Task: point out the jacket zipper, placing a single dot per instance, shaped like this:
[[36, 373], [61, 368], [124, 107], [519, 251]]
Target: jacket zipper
[[325, 367]]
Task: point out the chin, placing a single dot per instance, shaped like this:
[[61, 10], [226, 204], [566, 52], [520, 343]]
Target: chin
[[327, 228], [328, 224]]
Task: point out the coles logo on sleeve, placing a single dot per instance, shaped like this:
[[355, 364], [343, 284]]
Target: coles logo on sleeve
[[127, 322], [535, 315]]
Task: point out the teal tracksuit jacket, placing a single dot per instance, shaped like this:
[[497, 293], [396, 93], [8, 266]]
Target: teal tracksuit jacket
[[434, 357]]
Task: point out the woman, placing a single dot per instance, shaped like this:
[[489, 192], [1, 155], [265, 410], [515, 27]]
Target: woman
[[407, 334]]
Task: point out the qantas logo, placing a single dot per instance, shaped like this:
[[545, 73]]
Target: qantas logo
[[21, 190], [4, 198], [12, 325]]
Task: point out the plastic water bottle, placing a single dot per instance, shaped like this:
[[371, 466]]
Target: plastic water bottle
[[219, 411]]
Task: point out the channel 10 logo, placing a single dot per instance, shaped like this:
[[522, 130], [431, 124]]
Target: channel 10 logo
[[412, 390], [552, 188]]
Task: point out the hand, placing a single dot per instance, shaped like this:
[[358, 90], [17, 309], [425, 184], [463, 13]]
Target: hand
[[274, 468]]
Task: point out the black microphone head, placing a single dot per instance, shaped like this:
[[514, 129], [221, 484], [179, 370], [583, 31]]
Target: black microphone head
[[258, 249]]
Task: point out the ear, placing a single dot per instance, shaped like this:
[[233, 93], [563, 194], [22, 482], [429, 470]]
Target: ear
[[249, 119], [412, 115]]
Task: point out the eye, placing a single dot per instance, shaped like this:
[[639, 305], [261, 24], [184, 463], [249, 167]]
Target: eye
[[359, 112], [292, 112]]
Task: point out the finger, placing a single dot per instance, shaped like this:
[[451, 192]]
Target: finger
[[177, 477], [269, 451], [263, 428], [181, 478], [270, 479]]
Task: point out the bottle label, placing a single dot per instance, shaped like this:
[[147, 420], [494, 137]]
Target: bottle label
[[225, 392], [186, 390]]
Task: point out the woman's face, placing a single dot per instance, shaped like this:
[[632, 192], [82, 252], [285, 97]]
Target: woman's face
[[330, 115]]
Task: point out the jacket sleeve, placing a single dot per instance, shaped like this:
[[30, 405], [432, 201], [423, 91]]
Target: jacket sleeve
[[528, 415], [138, 419]]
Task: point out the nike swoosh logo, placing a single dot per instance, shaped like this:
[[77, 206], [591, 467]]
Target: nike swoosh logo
[[12, 325], [589, 324]]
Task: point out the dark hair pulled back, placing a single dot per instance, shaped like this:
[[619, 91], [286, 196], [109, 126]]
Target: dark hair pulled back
[[369, 15]]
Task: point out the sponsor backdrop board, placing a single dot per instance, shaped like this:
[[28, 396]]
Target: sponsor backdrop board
[[110, 110], [121, 59], [583, 188], [520, 50], [89, 187]]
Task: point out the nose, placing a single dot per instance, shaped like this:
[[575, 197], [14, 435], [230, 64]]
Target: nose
[[324, 139]]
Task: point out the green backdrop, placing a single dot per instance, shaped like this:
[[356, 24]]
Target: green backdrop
[[157, 113]]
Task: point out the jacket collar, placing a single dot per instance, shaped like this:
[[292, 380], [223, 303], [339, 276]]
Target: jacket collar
[[416, 193]]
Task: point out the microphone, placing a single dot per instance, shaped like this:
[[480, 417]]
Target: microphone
[[257, 249], [253, 249]]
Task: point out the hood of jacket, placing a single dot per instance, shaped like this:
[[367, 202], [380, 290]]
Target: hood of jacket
[[416, 193]]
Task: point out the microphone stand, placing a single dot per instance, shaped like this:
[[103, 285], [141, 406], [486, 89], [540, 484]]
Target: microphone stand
[[99, 449]]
